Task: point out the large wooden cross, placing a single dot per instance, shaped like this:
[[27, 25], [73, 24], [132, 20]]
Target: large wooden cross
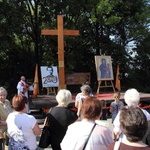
[[60, 32]]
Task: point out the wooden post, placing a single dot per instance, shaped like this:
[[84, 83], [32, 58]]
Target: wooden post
[[60, 32], [118, 86], [36, 83]]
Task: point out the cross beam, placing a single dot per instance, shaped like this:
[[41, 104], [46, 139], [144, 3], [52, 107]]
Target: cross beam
[[60, 32]]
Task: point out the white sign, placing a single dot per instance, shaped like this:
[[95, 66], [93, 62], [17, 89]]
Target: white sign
[[49, 76]]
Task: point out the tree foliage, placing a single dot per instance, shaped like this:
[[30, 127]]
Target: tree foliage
[[106, 27]]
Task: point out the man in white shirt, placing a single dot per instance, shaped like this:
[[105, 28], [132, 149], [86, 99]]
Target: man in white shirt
[[23, 88]]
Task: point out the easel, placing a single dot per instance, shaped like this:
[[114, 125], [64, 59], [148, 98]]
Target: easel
[[105, 85], [51, 90], [104, 72]]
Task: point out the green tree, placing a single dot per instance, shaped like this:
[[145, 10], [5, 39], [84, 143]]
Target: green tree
[[106, 28]]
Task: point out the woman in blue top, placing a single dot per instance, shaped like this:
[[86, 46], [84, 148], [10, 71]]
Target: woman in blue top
[[116, 105]]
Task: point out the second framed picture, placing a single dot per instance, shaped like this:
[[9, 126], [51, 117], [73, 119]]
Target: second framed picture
[[104, 68]]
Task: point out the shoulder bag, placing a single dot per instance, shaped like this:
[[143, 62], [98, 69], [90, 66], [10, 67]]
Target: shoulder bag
[[88, 137], [117, 145], [45, 138]]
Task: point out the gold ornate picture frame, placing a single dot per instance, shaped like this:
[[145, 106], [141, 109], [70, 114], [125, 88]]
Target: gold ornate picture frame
[[104, 68]]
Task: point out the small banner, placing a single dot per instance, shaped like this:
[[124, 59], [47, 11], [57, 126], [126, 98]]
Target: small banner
[[49, 75], [78, 78]]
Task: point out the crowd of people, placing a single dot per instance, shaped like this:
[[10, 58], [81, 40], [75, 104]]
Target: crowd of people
[[75, 130]]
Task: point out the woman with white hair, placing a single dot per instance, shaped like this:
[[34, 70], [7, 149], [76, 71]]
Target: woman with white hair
[[132, 98], [5, 109], [133, 124], [60, 117]]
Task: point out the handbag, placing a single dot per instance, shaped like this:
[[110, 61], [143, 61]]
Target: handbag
[[45, 136], [45, 139], [89, 137]]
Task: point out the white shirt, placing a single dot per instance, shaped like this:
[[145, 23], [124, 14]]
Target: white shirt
[[79, 97], [20, 129], [20, 88], [116, 122], [78, 132]]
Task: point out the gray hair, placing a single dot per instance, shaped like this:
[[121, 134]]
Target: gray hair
[[132, 97], [23, 78], [63, 97], [3, 90], [86, 88]]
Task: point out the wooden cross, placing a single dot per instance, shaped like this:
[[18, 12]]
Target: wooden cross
[[61, 32]]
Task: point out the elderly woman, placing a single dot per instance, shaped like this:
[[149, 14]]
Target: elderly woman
[[60, 117], [5, 109], [133, 124], [85, 92], [78, 132], [132, 98], [22, 128]]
